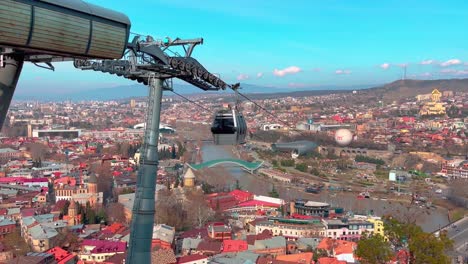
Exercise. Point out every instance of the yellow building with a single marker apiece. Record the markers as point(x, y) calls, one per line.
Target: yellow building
point(434, 107)
point(378, 225)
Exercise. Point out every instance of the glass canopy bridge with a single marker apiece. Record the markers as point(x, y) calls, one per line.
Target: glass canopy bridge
point(251, 167)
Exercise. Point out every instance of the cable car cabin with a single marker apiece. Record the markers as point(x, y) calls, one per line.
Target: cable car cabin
point(229, 127)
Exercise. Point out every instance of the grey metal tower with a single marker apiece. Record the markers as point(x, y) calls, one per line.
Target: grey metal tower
point(147, 62)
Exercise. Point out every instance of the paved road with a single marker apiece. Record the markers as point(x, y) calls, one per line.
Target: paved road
point(459, 235)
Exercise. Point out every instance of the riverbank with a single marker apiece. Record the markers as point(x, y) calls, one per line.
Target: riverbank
point(429, 220)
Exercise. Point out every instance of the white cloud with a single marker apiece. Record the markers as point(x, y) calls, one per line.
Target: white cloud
point(316, 69)
point(451, 62)
point(448, 71)
point(426, 74)
point(385, 66)
point(259, 75)
point(296, 85)
point(454, 72)
point(462, 72)
point(242, 77)
point(343, 72)
point(285, 71)
point(427, 62)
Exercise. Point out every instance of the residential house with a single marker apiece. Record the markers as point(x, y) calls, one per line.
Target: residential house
point(300, 258)
point(328, 260)
point(62, 256)
point(163, 236)
point(347, 229)
point(291, 228)
point(193, 259)
point(189, 245)
point(5, 254)
point(340, 249)
point(219, 231)
point(209, 247)
point(100, 250)
point(273, 246)
point(6, 226)
point(33, 258)
point(234, 245)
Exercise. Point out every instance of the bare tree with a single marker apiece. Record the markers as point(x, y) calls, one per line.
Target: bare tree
point(38, 151)
point(115, 213)
point(198, 211)
point(170, 210)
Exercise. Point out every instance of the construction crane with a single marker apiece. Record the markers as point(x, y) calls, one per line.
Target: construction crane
point(147, 61)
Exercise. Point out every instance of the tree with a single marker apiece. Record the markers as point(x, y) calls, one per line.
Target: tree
point(168, 201)
point(301, 167)
point(115, 213)
point(174, 153)
point(319, 253)
point(13, 241)
point(315, 171)
point(287, 163)
point(104, 179)
point(67, 239)
point(64, 210)
point(38, 150)
point(424, 248)
point(273, 193)
point(198, 211)
point(238, 187)
point(373, 249)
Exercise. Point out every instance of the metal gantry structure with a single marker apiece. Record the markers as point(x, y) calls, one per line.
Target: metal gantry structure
point(147, 62)
point(94, 38)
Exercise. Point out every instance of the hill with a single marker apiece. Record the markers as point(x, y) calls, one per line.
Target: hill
point(403, 89)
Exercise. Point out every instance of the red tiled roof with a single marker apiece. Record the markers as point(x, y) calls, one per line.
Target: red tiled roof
point(190, 258)
point(252, 203)
point(327, 260)
point(61, 255)
point(303, 258)
point(202, 232)
point(114, 228)
point(241, 196)
point(101, 246)
point(341, 246)
point(234, 245)
point(209, 246)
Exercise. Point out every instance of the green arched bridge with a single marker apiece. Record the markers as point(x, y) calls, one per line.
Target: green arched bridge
point(250, 166)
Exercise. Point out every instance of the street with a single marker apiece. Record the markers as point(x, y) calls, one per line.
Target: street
point(459, 234)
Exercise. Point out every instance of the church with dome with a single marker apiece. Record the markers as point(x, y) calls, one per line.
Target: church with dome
point(80, 192)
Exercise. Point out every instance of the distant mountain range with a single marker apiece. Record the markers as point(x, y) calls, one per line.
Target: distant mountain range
point(396, 90)
point(139, 90)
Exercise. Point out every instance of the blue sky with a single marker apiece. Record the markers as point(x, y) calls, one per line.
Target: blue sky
point(294, 44)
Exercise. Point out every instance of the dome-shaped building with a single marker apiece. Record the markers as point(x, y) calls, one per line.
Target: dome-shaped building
point(189, 178)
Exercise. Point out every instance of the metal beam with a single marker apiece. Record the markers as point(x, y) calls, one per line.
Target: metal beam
point(144, 205)
point(9, 74)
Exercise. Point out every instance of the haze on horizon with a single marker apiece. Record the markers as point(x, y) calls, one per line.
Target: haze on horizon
point(302, 45)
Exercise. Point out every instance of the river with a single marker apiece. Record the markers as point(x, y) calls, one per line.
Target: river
point(430, 220)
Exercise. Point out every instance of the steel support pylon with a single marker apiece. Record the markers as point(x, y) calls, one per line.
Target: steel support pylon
point(9, 74)
point(144, 206)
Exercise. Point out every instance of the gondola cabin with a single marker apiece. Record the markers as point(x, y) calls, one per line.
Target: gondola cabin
point(229, 127)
